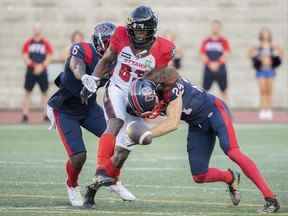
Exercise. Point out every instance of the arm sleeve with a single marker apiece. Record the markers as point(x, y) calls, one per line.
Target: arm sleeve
point(166, 56)
point(48, 46)
point(25, 48)
point(116, 42)
point(203, 47)
point(77, 51)
point(226, 45)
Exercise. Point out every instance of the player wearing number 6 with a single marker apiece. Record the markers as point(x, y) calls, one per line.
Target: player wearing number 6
point(208, 118)
point(136, 50)
point(70, 113)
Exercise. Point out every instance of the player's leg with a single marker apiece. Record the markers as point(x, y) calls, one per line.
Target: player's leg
point(70, 134)
point(223, 83)
point(42, 80)
point(207, 79)
point(29, 84)
point(223, 126)
point(263, 97)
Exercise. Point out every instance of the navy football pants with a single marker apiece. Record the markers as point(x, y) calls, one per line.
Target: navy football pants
point(201, 140)
point(69, 128)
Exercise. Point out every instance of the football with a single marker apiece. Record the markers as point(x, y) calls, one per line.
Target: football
point(139, 133)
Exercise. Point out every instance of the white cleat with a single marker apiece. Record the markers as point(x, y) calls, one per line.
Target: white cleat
point(74, 196)
point(121, 191)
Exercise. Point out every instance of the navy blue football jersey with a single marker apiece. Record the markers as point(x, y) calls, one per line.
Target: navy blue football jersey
point(197, 103)
point(67, 98)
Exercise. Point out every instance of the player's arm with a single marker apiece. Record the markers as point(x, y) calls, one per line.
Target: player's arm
point(78, 67)
point(226, 51)
point(25, 52)
point(104, 65)
point(172, 121)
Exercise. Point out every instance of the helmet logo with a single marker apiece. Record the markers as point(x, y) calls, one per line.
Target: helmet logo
point(148, 94)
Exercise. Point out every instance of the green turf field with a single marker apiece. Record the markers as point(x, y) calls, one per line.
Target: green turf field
point(32, 175)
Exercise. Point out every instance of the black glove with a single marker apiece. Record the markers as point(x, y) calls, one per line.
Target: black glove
point(85, 94)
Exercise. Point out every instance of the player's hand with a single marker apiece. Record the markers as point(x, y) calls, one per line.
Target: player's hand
point(38, 69)
point(85, 94)
point(90, 82)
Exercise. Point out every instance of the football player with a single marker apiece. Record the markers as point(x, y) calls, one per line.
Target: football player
point(208, 118)
point(70, 113)
point(136, 50)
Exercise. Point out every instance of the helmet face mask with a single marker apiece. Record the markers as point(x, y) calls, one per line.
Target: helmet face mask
point(142, 27)
point(101, 36)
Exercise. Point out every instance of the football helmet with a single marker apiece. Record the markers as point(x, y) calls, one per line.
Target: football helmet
point(143, 99)
point(142, 27)
point(101, 36)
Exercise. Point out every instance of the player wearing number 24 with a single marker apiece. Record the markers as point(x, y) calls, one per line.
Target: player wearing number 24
point(136, 51)
point(208, 118)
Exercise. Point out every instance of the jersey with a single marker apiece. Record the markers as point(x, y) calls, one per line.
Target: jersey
point(67, 98)
point(37, 50)
point(214, 49)
point(129, 65)
point(196, 102)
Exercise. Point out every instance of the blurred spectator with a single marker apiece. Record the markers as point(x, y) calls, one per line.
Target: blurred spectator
point(76, 37)
point(266, 57)
point(37, 53)
point(214, 51)
point(177, 60)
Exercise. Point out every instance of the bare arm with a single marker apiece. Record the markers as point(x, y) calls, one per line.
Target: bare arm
point(103, 65)
point(172, 121)
point(78, 67)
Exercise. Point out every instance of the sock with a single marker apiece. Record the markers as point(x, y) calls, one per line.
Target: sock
point(72, 174)
point(105, 148)
point(250, 169)
point(111, 170)
point(214, 175)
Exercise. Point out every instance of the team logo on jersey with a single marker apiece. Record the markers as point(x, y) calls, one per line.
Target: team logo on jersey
point(149, 64)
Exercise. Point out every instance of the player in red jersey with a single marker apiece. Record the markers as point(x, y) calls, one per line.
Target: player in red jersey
point(135, 51)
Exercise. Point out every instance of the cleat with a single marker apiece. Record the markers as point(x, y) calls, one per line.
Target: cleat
point(233, 188)
point(91, 190)
point(271, 206)
point(74, 196)
point(121, 191)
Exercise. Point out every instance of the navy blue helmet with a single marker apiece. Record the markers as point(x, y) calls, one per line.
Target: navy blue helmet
point(143, 100)
point(101, 36)
point(142, 27)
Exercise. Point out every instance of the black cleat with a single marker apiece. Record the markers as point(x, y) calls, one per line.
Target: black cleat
point(100, 180)
point(24, 119)
point(233, 188)
point(271, 206)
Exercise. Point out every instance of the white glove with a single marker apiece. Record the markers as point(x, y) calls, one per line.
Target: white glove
point(51, 117)
point(90, 82)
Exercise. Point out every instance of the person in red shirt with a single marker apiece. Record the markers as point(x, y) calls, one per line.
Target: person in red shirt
point(214, 51)
point(37, 52)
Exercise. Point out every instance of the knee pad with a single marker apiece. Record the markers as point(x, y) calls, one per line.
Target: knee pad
point(200, 178)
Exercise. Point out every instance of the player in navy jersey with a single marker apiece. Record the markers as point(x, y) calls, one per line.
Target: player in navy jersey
point(214, 51)
point(70, 113)
point(208, 118)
